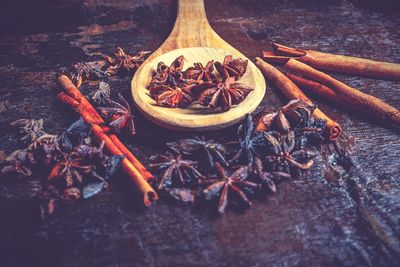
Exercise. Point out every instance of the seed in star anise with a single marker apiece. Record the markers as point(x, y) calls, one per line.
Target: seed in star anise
point(119, 115)
point(123, 62)
point(229, 188)
point(232, 67)
point(223, 94)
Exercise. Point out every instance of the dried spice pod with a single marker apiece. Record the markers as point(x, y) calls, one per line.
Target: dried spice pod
point(213, 151)
point(92, 70)
point(172, 97)
point(101, 95)
point(224, 94)
point(122, 62)
point(30, 129)
point(119, 115)
point(231, 67)
point(229, 187)
point(175, 169)
point(199, 73)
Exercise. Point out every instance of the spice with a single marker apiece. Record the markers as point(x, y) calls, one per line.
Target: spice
point(90, 115)
point(118, 115)
point(87, 70)
point(172, 87)
point(122, 62)
point(213, 151)
point(175, 169)
point(293, 92)
point(229, 186)
point(358, 99)
point(332, 62)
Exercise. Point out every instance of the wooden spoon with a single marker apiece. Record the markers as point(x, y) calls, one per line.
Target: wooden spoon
point(193, 37)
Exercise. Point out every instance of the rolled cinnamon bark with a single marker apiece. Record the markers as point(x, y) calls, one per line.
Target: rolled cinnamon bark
point(336, 63)
point(358, 99)
point(291, 91)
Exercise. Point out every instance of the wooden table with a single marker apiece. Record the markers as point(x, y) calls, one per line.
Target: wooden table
point(322, 219)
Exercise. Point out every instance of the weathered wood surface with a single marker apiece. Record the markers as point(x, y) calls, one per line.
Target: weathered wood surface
point(323, 219)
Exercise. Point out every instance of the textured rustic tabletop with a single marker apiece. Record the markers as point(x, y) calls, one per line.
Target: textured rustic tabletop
point(326, 218)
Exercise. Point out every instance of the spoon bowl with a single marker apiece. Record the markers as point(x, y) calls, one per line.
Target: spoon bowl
point(194, 38)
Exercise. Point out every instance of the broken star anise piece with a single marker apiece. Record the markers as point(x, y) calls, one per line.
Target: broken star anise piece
point(199, 73)
point(295, 113)
point(87, 71)
point(251, 143)
point(213, 151)
point(119, 115)
point(231, 67)
point(175, 169)
point(285, 154)
point(224, 94)
point(70, 168)
point(227, 187)
point(123, 62)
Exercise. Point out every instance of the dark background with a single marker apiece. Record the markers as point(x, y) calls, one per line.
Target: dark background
point(330, 217)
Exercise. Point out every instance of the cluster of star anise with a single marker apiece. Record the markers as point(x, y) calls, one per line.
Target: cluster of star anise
point(109, 65)
point(72, 165)
point(283, 146)
point(173, 87)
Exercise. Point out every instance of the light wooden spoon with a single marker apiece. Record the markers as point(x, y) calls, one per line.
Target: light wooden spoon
point(193, 37)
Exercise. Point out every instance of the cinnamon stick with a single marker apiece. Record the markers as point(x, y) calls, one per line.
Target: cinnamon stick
point(94, 117)
point(358, 99)
point(336, 63)
point(291, 91)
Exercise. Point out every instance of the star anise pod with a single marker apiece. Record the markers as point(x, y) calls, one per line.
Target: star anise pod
point(170, 76)
point(213, 151)
point(227, 187)
point(119, 115)
point(70, 167)
point(175, 169)
point(251, 143)
point(231, 67)
point(223, 94)
point(17, 163)
point(87, 71)
point(172, 97)
point(30, 129)
point(285, 154)
point(268, 179)
point(123, 62)
point(294, 114)
point(199, 73)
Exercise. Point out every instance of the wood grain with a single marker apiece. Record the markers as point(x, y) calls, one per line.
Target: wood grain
point(193, 37)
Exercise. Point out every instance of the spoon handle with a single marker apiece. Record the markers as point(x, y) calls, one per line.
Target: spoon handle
point(191, 27)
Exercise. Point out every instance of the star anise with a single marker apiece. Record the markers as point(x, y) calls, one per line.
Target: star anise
point(123, 62)
point(227, 185)
point(70, 167)
point(175, 169)
point(285, 153)
point(87, 70)
point(251, 143)
point(17, 163)
point(170, 76)
point(119, 115)
point(294, 114)
point(268, 179)
point(231, 67)
point(172, 97)
point(213, 151)
point(199, 73)
point(223, 94)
